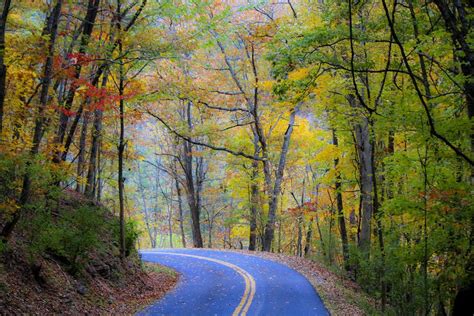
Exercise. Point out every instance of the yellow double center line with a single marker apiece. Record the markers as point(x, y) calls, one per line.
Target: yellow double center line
point(250, 286)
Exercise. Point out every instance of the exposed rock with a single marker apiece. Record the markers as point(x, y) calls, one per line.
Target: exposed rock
point(81, 289)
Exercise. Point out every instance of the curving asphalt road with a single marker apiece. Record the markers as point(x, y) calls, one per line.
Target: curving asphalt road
point(228, 283)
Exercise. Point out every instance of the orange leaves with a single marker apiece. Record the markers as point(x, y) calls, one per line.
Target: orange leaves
point(100, 98)
point(66, 67)
point(308, 208)
point(449, 200)
point(66, 112)
point(445, 195)
point(79, 59)
point(311, 206)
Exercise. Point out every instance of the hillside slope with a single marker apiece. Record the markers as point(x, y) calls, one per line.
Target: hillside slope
point(65, 260)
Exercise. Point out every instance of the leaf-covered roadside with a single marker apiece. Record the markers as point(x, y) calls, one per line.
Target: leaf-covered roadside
point(67, 296)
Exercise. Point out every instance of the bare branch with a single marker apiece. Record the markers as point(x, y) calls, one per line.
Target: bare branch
point(237, 125)
point(292, 9)
point(190, 140)
point(222, 108)
point(226, 92)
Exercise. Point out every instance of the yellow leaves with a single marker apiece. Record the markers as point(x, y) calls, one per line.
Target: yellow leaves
point(283, 105)
point(311, 20)
point(328, 153)
point(60, 168)
point(240, 231)
point(9, 206)
point(267, 85)
point(20, 143)
point(322, 84)
point(353, 229)
point(298, 74)
point(81, 88)
point(81, 180)
point(136, 87)
point(16, 19)
point(263, 32)
point(305, 137)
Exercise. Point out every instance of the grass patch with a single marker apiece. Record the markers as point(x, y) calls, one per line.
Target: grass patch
point(158, 268)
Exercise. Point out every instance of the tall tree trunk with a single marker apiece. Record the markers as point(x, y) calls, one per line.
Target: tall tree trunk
point(82, 153)
point(191, 188)
point(170, 222)
point(279, 235)
point(331, 223)
point(272, 206)
point(364, 151)
point(99, 183)
point(196, 227)
point(299, 239)
point(309, 236)
point(51, 29)
point(378, 218)
point(121, 144)
point(3, 67)
point(390, 151)
point(254, 199)
point(94, 149)
point(209, 232)
point(180, 210)
point(318, 226)
point(199, 176)
point(141, 190)
point(340, 208)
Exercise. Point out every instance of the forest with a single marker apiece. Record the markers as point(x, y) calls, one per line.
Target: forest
point(337, 130)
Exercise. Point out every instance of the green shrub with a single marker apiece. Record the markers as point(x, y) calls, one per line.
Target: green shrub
point(11, 172)
point(132, 233)
point(69, 237)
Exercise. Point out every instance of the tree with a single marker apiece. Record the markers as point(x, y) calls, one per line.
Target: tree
point(51, 29)
point(3, 68)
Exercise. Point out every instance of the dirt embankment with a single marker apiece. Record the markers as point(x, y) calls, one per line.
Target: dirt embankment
point(43, 274)
point(55, 291)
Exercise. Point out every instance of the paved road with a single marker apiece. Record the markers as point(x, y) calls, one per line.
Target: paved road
point(227, 283)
